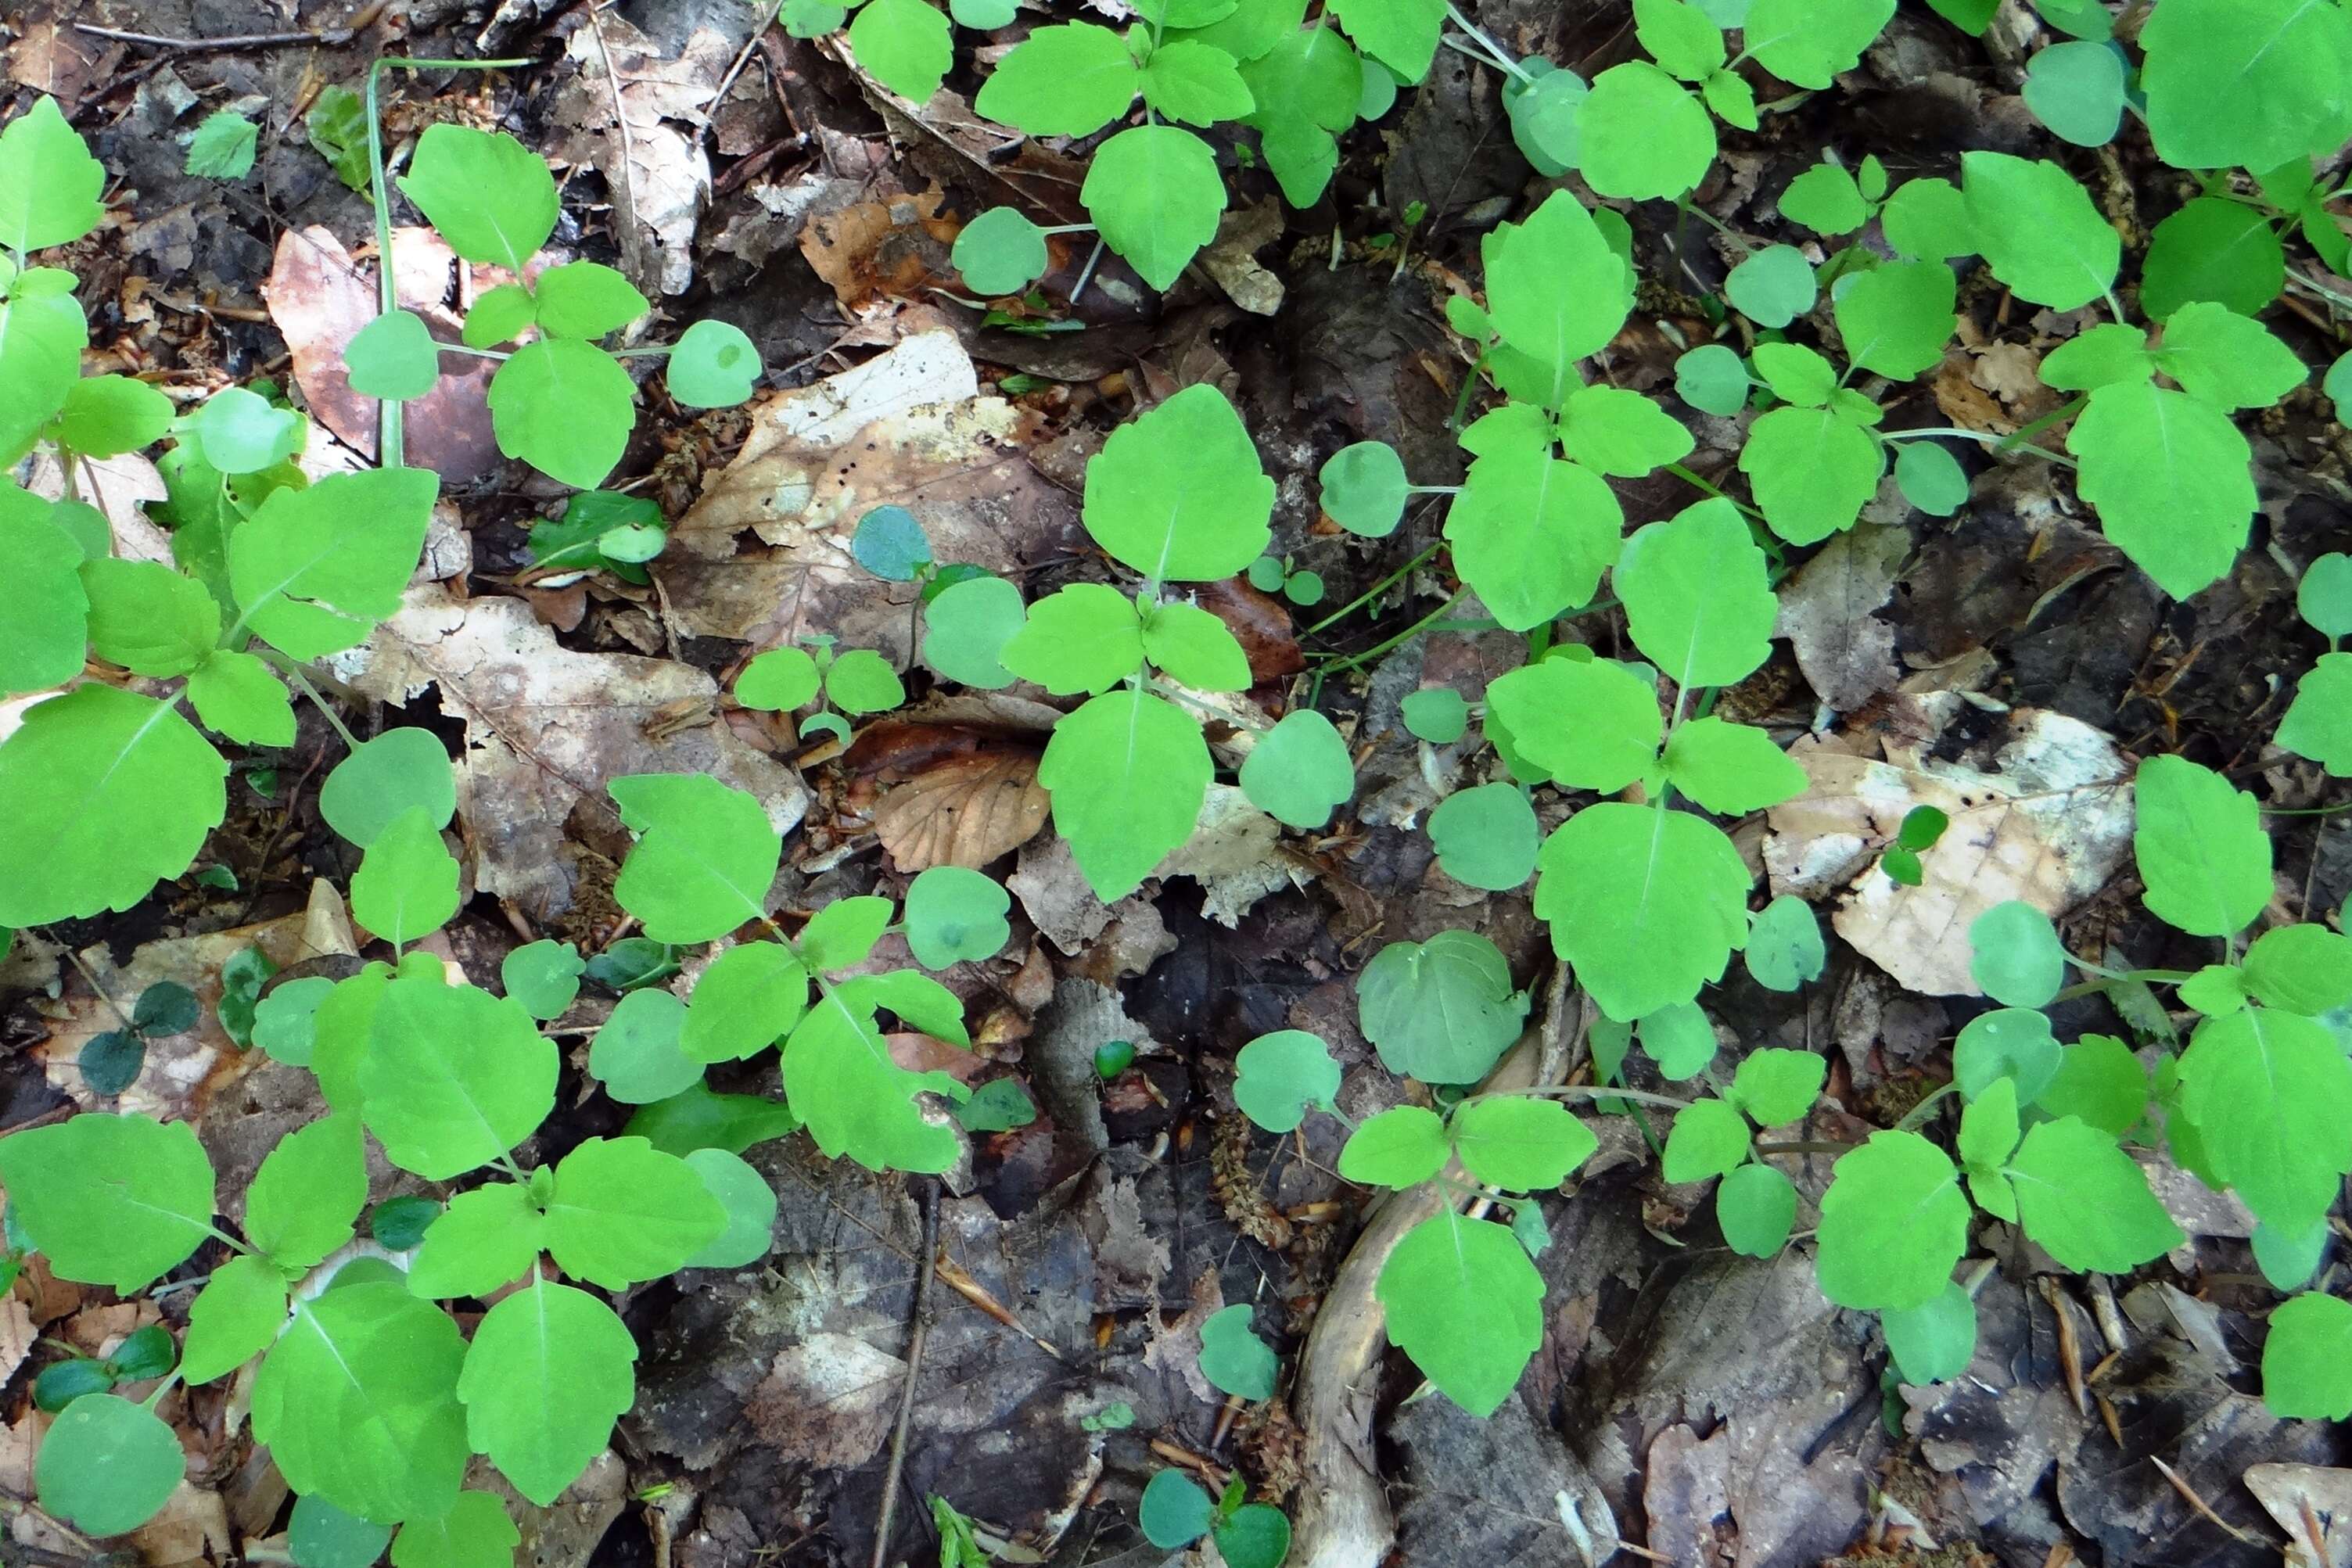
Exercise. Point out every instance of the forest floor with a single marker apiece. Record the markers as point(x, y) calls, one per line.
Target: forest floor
point(1718, 1410)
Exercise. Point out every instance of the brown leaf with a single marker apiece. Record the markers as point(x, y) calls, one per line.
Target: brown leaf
point(965, 810)
point(1828, 615)
point(1259, 623)
point(898, 247)
point(828, 1400)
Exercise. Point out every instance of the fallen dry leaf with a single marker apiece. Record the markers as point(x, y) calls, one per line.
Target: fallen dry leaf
point(547, 727)
point(1829, 616)
point(963, 810)
point(656, 166)
point(828, 1400)
point(906, 427)
point(2049, 826)
point(896, 247)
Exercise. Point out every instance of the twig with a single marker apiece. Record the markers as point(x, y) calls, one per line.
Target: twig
point(922, 1331)
point(330, 37)
point(2206, 1512)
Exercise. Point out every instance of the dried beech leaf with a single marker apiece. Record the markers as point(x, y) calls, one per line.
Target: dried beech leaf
point(966, 810)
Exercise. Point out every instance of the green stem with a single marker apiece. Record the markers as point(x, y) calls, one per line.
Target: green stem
point(1382, 586)
point(1357, 660)
point(2058, 415)
point(1999, 443)
point(293, 672)
point(1585, 1092)
point(1698, 481)
point(1919, 1113)
point(1494, 50)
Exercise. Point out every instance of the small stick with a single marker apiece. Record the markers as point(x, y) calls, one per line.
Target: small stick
point(2215, 1520)
point(922, 1331)
point(331, 38)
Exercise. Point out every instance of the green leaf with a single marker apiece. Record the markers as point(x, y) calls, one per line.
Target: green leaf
point(1254, 1535)
point(1439, 715)
point(746, 1001)
point(543, 977)
point(1934, 1341)
point(1397, 1148)
point(1127, 773)
point(1730, 768)
point(750, 1204)
point(778, 681)
point(1797, 373)
point(1083, 638)
point(2085, 1202)
point(49, 185)
point(1190, 646)
point(2008, 1042)
point(856, 1099)
point(2017, 959)
point(1400, 34)
point(1443, 1010)
point(1825, 199)
point(105, 416)
point(1896, 319)
point(2252, 82)
point(1001, 251)
point(843, 932)
point(1774, 285)
point(1174, 1511)
point(1066, 80)
point(1299, 771)
point(1646, 902)
point(1642, 135)
point(2104, 354)
point(1712, 378)
point(2037, 230)
point(1754, 1207)
point(491, 197)
point(2077, 90)
point(2306, 1359)
point(236, 694)
point(954, 916)
point(148, 618)
point(1485, 836)
point(2324, 597)
point(1279, 1075)
point(1364, 489)
point(1234, 1360)
point(475, 1533)
point(566, 407)
point(2270, 1095)
point(586, 299)
point(2170, 476)
point(1811, 471)
point(453, 1077)
point(1520, 1143)
point(106, 1465)
point(381, 779)
point(42, 335)
point(149, 1207)
point(357, 1400)
point(2216, 250)
point(44, 625)
point(1464, 1301)
point(486, 1239)
point(699, 1119)
point(499, 316)
point(2201, 851)
point(223, 146)
point(1679, 1039)
point(233, 1319)
point(237, 431)
point(1708, 1139)
point(1614, 431)
point(1532, 535)
point(1892, 1224)
point(862, 681)
point(998, 1105)
point(284, 1021)
point(1196, 84)
point(1808, 42)
point(1310, 79)
point(2317, 723)
point(307, 1192)
point(1555, 290)
point(1776, 1086)
point(1547, 116)
point(966, 628)
point(636, 1053)
point(1681, 37)
point(891, 544)
point(549, 1372)
point(315, 568)
point(102, 794)
point(1931, 479)
point(713, 364)
point(623, 1211)
point(1784, 945)
point(2227, 358)
point(407, 887)
point(704, 857)
point(905, 44)
point(1732, 98)
point(2302, 969)
point(394, 357)
point(2100, 1082)
point(1154, 192)
point(321, 1535)
point(1177, 492)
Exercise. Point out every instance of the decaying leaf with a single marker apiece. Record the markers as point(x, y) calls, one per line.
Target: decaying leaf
point(1847, 652)
point(2049, 824)
point(547, 727)
point(963, 810)
point(654, 165)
